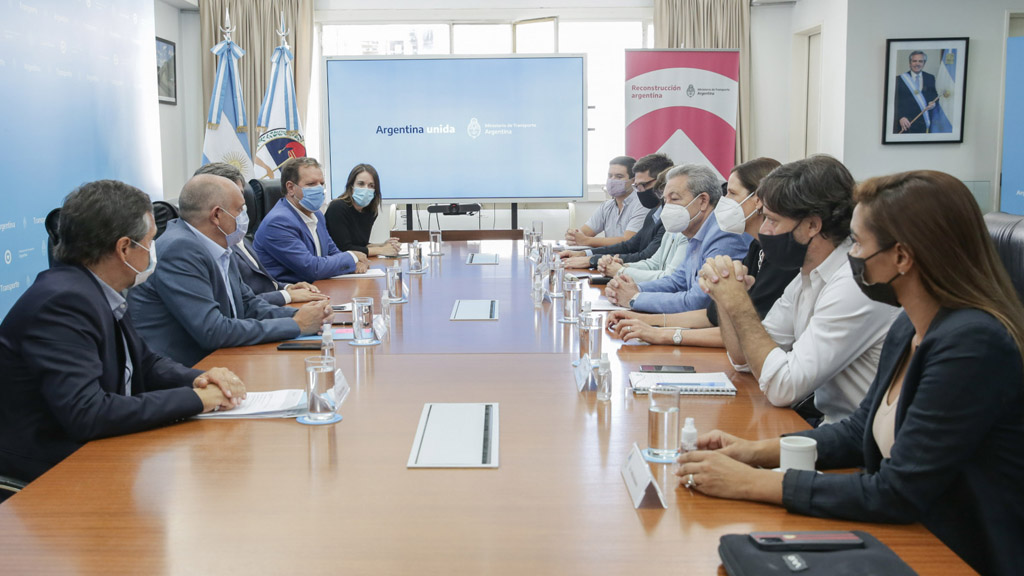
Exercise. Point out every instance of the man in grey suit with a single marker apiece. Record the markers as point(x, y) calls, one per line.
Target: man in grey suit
point(196, 302)
point(252, 270)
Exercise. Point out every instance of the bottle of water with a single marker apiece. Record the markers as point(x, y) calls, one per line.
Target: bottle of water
point(604, 379)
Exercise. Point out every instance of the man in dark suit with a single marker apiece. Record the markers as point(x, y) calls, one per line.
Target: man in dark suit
point(915, 94)
point(196, 301)
point(74, 367)
point(252, 270)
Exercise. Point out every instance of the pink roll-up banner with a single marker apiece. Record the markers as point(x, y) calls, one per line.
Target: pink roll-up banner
point(683, 103)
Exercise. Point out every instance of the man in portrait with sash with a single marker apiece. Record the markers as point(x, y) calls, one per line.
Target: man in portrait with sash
point(915, 97)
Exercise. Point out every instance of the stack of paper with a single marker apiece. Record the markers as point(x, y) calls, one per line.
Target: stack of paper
point(371, 273)
point(700, 383)
point(276, 404)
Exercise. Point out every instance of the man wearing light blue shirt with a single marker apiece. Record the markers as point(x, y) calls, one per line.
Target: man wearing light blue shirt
point(691, 194)
point(196, 302)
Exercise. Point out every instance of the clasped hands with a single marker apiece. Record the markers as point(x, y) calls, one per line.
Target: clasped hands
point(714, 276)
point(725, 466)
point(219, 389)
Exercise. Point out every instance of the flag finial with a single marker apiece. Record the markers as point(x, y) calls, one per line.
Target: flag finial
point(283, 32)
point(227, 28)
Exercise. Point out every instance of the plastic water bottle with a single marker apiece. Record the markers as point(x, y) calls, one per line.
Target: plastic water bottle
point(604, 379)
point(327, 340)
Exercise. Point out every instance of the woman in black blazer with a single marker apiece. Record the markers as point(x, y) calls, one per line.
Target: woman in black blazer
point(350, 217)
point(940, 435)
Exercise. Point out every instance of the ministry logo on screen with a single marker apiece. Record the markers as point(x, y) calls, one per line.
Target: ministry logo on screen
point(474, 128)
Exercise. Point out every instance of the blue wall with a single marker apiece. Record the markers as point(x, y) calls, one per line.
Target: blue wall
point(77, 103)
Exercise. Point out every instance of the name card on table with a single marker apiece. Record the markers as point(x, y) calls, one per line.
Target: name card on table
point(643, 489)
point(582, 372)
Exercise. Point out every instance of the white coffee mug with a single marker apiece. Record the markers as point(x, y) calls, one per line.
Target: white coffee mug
point(797, 452)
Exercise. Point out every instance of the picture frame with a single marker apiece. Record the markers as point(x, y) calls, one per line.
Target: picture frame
point(166, 76)
point(925, 88)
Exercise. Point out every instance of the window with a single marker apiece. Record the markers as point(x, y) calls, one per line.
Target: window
point(605, 44)
point(482, 38)
point(386, 39)
point(535, 36)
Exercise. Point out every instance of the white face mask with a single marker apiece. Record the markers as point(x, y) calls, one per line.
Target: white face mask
point(729, 214)
point(676, 218)
point(141, 277)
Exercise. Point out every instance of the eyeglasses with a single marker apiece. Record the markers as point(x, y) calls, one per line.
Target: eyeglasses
point(642, 186)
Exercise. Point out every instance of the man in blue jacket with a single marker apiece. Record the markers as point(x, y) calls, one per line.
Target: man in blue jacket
point(292, 241)
point(74, 368)
point(691, 194)
point(196, 301)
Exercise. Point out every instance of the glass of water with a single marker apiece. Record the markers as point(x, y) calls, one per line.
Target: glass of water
point(591, 326)
point(435, 243)
point(570, 299)
point(362, 322)
point(416, 258)
point(663, 422)
point(538, 228)
point(320, 371)
point(395, 288)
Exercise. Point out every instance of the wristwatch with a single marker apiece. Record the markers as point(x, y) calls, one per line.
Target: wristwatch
point(632, 300)
point(677, 338)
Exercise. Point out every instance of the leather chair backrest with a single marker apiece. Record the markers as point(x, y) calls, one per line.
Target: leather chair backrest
point(266, 193)
point(250, 209)
point(1007, 231)
point(51, 223)
point(162, 213)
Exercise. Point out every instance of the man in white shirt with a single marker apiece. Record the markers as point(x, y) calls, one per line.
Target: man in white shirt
point(620, 217)
point(823, 336)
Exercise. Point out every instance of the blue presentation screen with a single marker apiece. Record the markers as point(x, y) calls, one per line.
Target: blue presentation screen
point(78, 99)
point(459, 128)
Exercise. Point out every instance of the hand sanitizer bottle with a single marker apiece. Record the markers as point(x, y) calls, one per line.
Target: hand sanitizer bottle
point(327, 341)
point(688, 438)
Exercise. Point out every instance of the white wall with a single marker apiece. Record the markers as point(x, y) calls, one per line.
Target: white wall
point(172, 117)
point(181, 125)
point(976, 159)
point(769, 79)
point(831, 17)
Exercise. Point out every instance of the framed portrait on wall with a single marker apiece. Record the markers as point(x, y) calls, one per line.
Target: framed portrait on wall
point(925, 81)
point(166, 81)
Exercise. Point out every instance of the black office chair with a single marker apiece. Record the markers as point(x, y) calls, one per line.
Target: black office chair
point(9, 487)
point(1007, 231)
point(162, 213)
point(266, 193)
point(51, 223)
point(250, 209)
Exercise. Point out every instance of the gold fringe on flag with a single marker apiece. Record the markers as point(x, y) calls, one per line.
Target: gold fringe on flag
point(212, 125)
point(242, 129)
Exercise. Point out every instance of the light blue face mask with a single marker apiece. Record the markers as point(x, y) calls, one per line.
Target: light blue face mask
point(241, 227)
point(312, 198)
point(362, 196)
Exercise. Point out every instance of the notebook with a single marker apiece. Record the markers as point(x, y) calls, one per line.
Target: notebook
point(715, 383)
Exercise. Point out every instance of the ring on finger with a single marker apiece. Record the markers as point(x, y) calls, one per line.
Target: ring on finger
point(689, 481)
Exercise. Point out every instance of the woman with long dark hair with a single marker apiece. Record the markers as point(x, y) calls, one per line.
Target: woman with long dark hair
point(350, 217)
point(940, 434)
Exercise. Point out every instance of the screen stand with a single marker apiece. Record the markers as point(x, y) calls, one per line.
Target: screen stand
point(515, 216)
point(408, 216)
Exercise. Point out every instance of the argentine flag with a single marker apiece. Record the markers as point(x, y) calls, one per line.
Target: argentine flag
point(945, 85)
point(278, 122)
point(226, 139)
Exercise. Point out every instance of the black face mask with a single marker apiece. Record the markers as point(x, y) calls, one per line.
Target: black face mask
point(879, 291)
point(783, 251)
point(649, 199)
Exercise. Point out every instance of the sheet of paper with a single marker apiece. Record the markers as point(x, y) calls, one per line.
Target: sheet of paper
point(475, 310)
point(602, 304)
point(480, 258)
point(276, 404)
point(456, 436)
point(371, 273)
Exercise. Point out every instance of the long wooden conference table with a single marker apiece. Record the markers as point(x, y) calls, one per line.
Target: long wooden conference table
point(279, 497)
